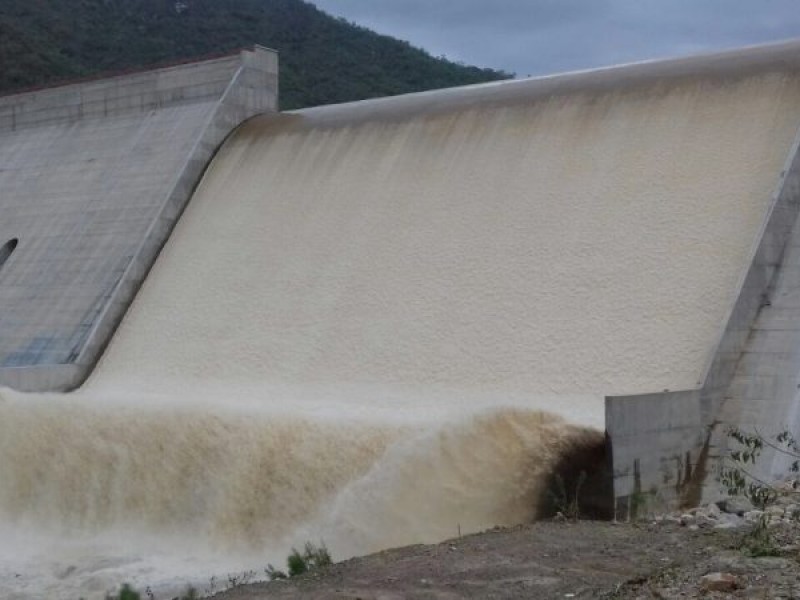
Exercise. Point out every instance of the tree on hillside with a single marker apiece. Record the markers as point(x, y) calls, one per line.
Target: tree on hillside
point(323, 59)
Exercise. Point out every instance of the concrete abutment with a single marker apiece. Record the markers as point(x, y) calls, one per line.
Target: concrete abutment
point(94, 176)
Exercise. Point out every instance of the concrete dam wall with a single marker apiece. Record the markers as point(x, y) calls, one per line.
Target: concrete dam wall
point(93, 177)
point(386, 322)
point(473, 247)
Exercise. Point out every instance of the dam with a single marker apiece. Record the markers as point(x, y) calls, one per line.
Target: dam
point(383, 322)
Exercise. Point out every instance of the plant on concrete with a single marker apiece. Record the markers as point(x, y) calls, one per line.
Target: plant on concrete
point(313, 557)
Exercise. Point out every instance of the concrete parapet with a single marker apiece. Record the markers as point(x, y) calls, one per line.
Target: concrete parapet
point(95, 176)
point(122, 95)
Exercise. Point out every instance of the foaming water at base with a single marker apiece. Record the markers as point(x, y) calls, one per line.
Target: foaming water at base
point(484, 470)
point(162, 493)
point(43, 566)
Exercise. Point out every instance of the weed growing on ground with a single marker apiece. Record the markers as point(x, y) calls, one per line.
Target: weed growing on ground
point(565, 503)
point(760, 541)
point(239, 579)
point(313, 557)
point(127, 592)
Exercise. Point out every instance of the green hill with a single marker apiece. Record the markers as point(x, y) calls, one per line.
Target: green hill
point(323, 59)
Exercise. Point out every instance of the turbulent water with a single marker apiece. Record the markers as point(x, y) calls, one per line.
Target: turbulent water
point(158, 491)
point(362, 328)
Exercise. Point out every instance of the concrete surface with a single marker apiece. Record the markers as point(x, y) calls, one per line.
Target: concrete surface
point(94, 175)
point(763, 396)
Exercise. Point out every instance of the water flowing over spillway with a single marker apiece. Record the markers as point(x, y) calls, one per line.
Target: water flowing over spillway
point(378, 326)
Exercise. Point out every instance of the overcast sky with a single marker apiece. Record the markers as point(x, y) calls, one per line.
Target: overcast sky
point(536, 37)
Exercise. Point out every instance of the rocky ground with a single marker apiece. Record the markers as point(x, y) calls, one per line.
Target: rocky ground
point(730, 551)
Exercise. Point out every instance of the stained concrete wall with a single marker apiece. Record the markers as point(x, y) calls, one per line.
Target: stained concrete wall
point(666, 446)
point(764, 395)
point(93, 178)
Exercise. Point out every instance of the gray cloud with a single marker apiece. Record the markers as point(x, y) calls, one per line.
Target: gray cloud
point(535, 37)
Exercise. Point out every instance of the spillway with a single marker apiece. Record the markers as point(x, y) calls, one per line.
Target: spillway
point(578, 244)
point(383, 323)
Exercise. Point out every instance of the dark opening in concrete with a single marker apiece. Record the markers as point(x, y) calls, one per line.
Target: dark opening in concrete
point(580, 482)
point(6, 250)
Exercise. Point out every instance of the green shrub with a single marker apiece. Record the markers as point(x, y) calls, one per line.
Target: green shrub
point(735, 473)
point(313, 557)
point(126, 592)
point(296, 563)
point(738, 480)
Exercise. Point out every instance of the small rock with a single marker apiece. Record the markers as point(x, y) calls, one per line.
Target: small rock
point(725, 525)
point(733, 563)
point(775, 511)
point(772, 563)
point(705, 521)
point(719, 582)
point(752, 516)
point(737, 505)
point(687, 519)
point(713, 511)
point(732, 519)
point(758, 591)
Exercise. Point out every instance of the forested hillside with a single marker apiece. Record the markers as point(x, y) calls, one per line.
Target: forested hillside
point(323, 59)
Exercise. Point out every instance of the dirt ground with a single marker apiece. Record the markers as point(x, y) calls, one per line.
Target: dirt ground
point(585, 559)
